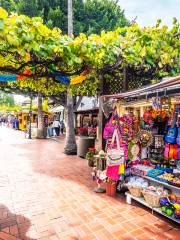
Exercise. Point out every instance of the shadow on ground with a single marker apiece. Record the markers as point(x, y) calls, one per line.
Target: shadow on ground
point(13, 226)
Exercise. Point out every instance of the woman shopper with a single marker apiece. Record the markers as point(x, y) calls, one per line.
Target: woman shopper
point(56, 126)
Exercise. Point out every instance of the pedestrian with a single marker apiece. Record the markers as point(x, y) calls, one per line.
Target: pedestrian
point(62, 126)
point(16, 124)
point(56, 126)
point(50, 129)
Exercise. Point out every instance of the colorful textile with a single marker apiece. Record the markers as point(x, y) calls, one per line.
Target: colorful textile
point(61, 78)
point(121, 169)
point(8, 78)
point(112, 172)
point(78, 79)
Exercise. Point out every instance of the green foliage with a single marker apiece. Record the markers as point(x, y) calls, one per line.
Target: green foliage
point(6, 99)
point(90, 16)
point(7, 103)
point(27, 43)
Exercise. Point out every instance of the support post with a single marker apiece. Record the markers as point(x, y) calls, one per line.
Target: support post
point(101, 125)
point(30, 116)
point(125, 81)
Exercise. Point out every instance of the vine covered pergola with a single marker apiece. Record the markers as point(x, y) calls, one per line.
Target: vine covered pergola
point(46, 61)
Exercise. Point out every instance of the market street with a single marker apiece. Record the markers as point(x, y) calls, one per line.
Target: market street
point(45, 194)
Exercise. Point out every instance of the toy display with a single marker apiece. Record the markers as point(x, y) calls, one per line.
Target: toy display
point(165, 177)
point(154, 172)
point(171, 206)
point(141, 170)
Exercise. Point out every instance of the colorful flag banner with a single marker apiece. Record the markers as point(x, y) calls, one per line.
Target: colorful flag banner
point(7, 78)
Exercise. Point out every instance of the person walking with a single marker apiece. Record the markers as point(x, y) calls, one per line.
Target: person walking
point(62, 126)
point(56, 126)
point(50, 129)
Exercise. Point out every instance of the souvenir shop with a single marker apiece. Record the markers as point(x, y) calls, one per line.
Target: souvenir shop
point(142, 151)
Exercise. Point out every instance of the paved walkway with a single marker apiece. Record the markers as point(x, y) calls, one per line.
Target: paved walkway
point(47, 195)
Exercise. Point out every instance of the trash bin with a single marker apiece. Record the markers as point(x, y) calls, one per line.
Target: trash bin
point(84, 143)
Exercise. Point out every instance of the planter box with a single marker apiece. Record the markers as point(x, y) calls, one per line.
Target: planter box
point(110, 189)
point(90, 163)
point(84, 143)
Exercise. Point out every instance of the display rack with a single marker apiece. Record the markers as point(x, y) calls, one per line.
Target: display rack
point(172, 187)
point(142, 201)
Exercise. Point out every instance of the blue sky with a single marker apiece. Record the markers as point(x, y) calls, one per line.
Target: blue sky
point(148, 11)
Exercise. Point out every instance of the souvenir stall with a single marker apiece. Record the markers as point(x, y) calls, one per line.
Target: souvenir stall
point(143, 148)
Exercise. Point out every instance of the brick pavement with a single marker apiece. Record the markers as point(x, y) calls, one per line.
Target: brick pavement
point(47, 195)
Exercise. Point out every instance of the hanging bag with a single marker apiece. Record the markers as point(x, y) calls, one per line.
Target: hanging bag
point(115, 156)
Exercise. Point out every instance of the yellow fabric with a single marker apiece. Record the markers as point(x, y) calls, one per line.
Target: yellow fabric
point(78, 79)
point(121, 169)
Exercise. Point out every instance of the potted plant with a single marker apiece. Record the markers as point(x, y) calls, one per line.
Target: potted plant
point(90, 156)
point(84, 142)
point(83, 131)
point(92, 132)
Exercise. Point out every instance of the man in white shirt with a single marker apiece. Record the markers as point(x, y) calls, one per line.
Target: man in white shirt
point(56, 126)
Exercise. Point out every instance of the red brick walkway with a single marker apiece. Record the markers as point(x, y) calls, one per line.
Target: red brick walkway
point(47, 195)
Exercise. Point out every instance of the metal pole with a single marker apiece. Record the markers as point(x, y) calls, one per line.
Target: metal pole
point(30, 116)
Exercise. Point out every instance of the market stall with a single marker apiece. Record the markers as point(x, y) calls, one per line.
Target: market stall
point(143, 147)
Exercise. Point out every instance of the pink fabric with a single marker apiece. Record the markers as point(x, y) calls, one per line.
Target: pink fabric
point(109, 128)
point(112, 172)
point(124, 146)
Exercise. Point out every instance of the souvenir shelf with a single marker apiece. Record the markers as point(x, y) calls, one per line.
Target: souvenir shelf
point(141, 200)
point(160, 182)
point(147, 120)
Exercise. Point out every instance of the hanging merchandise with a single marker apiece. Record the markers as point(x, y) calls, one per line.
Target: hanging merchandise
point(171, 135)
point(146, 122)
point(156, 103)
point(178, 126)
point(115, 156)
point(158, 141)
point(145, 138)
point(109, 128)
point(113, 172)
point(8, 78)
point(133, 152)
point(125, 126)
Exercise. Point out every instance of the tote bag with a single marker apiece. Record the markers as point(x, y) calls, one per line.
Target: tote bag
point(115, 156)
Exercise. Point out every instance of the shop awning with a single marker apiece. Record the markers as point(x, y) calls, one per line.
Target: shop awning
point(87, 111)
point(165, 84)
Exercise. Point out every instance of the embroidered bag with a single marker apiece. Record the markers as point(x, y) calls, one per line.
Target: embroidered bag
point(115, 156)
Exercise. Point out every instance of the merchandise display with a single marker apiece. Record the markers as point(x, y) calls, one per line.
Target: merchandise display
point(171, 206)
point(146, 141)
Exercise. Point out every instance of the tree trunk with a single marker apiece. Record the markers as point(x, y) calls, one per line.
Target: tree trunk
point(70, 18)
point(40, 130)
point(70, 145)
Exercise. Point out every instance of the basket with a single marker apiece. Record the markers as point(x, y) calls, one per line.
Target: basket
point(135, 191)
point(151, 198)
